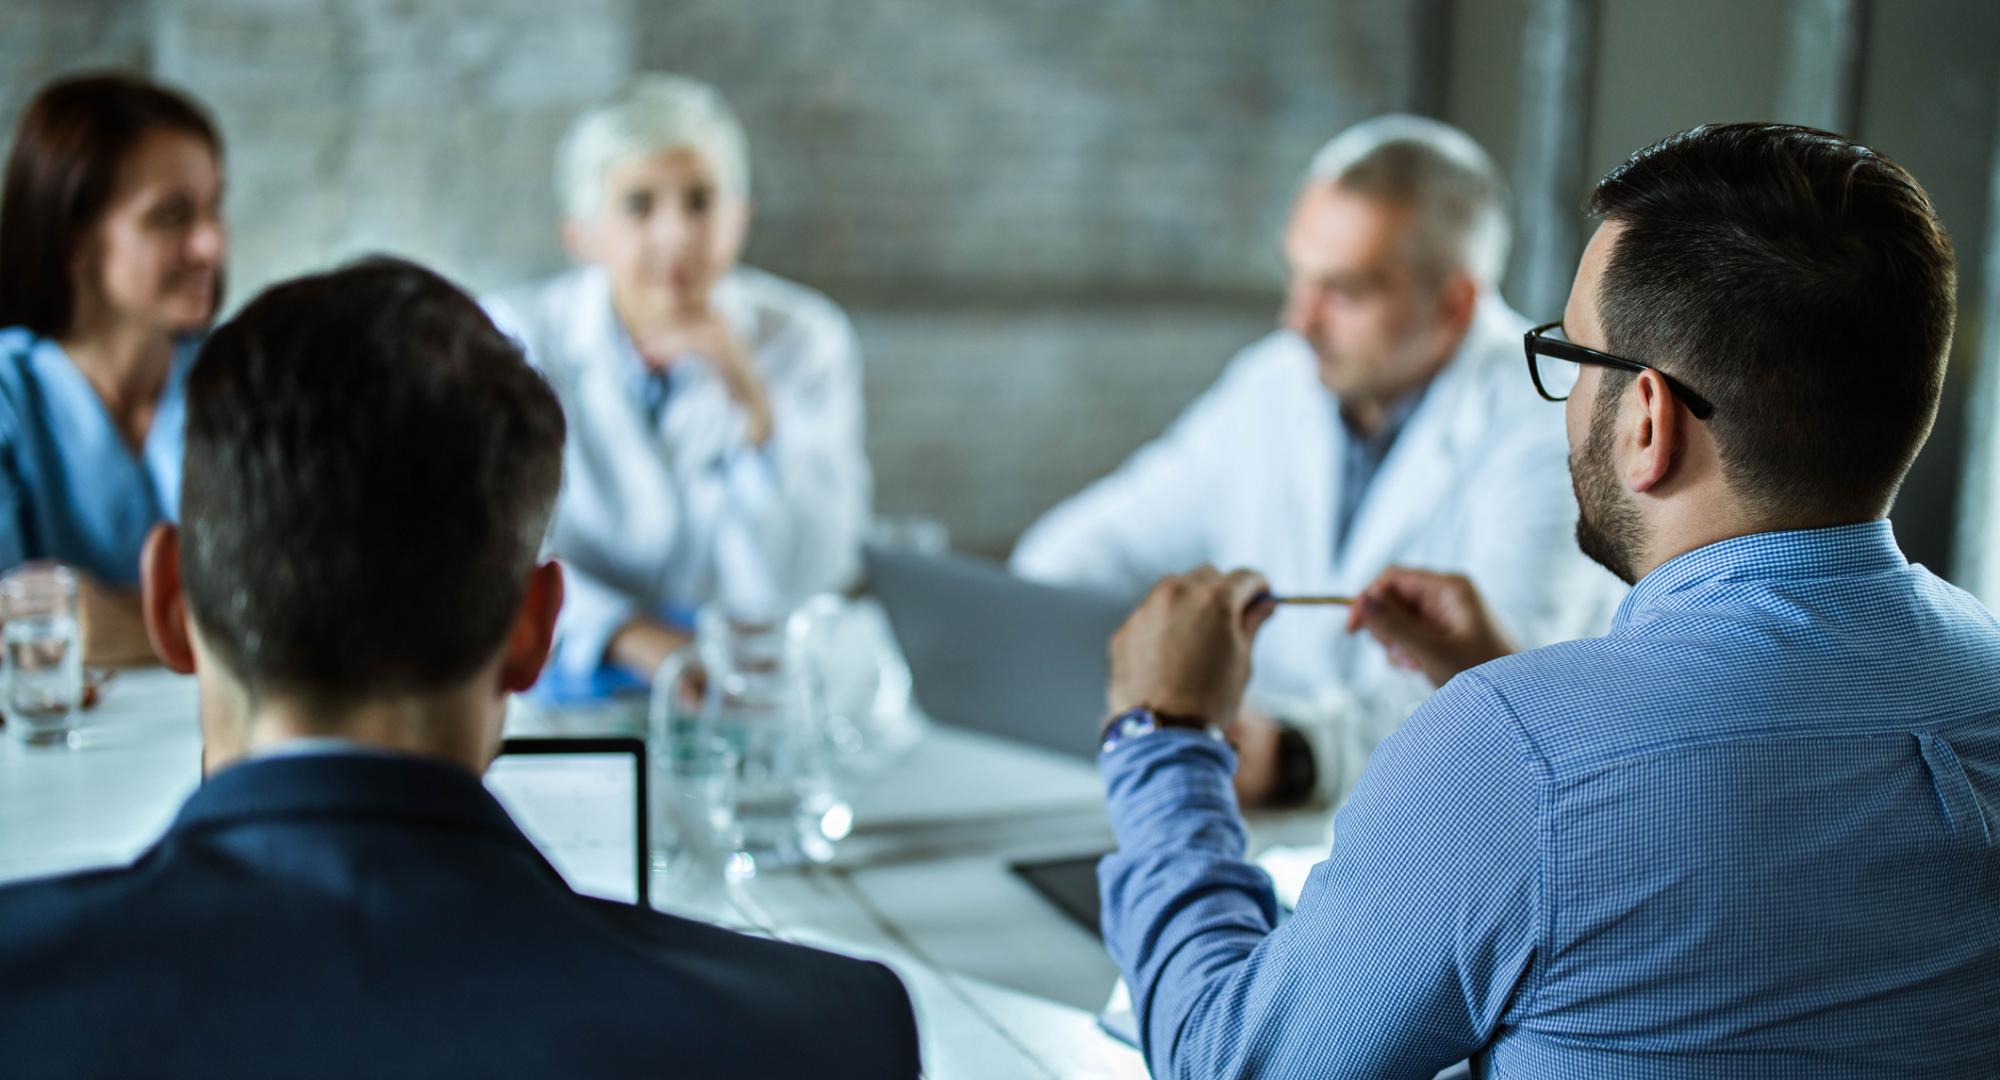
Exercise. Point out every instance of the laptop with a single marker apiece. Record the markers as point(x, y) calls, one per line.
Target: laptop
point(582, 803)
point(991, 652)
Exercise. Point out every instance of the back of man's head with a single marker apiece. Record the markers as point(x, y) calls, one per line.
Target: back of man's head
point(1804, 285)
point(370, 469)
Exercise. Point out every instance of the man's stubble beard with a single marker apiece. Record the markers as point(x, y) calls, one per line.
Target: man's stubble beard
point(1607, 524)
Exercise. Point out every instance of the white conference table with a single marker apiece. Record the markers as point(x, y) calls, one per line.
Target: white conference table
point(1004, 985)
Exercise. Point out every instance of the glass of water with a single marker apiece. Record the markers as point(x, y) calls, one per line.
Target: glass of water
point(43, 654)
point(691, 827)
point(751, 683)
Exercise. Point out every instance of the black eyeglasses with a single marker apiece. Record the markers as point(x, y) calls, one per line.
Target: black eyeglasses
point(1555, 383)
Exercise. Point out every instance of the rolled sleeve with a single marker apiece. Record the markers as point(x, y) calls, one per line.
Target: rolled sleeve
point(1410, 940)
point(1180, 903)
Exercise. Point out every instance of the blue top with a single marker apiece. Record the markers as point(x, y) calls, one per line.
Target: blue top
point(1755, 830)
point(70, 488)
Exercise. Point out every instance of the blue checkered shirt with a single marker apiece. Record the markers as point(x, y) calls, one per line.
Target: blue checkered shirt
point(1753, 831)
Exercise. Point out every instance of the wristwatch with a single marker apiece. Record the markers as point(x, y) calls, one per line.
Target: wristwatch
point(1133, 723)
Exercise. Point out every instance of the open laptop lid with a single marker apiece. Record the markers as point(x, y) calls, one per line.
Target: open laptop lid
point(994, 653)
point(583, 804)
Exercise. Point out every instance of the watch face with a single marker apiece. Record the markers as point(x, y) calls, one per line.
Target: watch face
point(1130, 723)
point(1142, 721)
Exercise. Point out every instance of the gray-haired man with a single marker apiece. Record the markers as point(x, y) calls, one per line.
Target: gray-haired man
point(1385, 422)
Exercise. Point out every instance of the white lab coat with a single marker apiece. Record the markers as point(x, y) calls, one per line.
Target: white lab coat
point(1477, 483)
point(673, 514)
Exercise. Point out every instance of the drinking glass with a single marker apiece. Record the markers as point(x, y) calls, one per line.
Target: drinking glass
point(864, 682)
point(752, 684)
point(43, 654)
point(692, 825)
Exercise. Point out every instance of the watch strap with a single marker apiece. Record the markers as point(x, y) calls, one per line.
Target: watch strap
point(1135, 722)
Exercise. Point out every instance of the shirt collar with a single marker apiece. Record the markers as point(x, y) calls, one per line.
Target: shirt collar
point(319, 744)
point(1794, 555)
point(393, 786)
point(1394, 419)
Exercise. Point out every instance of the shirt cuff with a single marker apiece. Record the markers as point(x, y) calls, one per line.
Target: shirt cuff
point(1173, 788)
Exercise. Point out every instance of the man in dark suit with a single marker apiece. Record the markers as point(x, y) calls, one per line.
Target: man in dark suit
point(355, 582)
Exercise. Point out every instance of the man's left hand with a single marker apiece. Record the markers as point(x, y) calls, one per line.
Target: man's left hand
point(1185, 653)
point(1434, 623)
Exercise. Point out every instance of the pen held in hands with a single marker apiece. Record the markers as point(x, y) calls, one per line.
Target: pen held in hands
point(1324, 601)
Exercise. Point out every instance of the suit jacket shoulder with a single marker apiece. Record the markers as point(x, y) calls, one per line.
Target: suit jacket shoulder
point(342, 916)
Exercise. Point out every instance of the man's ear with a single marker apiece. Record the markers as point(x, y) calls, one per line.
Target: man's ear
point(1460, 297)
point(1457, 301)
point(1656, 440)
point(162, 602)
point(534, 632)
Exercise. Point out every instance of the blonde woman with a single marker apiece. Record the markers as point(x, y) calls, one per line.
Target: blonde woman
point(715, 410)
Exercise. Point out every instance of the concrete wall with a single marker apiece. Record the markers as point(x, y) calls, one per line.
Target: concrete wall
point(41, 40)
point(1052, 221)
point(424, 129)
point(1930, 98)
point(1927, 82)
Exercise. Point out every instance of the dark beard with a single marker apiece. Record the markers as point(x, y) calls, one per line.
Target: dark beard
point(1607, 525)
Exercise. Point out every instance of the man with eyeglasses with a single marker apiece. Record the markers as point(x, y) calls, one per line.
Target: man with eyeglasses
point(1755, 829)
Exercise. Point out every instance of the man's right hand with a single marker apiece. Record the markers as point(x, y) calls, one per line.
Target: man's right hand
point(1434, 623)
point(1186, 651)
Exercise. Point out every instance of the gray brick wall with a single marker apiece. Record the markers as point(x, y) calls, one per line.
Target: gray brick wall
point(425, 129)
point(1035, 147)
point(1053, 221)
point(984, 417)
point(40, 40)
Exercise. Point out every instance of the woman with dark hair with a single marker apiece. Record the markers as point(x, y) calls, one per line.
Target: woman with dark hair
point(111, 258)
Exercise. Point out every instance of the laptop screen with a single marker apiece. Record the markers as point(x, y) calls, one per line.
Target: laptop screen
point(583, 804)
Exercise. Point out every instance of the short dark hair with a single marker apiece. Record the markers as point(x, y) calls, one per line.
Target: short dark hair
point(1804, 285)
point(370, 469)
point(61, 172)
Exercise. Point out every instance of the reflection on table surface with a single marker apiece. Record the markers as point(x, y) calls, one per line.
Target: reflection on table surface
point(1004, 984)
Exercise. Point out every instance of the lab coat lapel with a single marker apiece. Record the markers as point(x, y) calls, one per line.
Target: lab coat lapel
point(1290, 482)
point(1413, 482)
point(603, 353)
point(618, 466)
point(1316, 446)
point(1281, 519)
